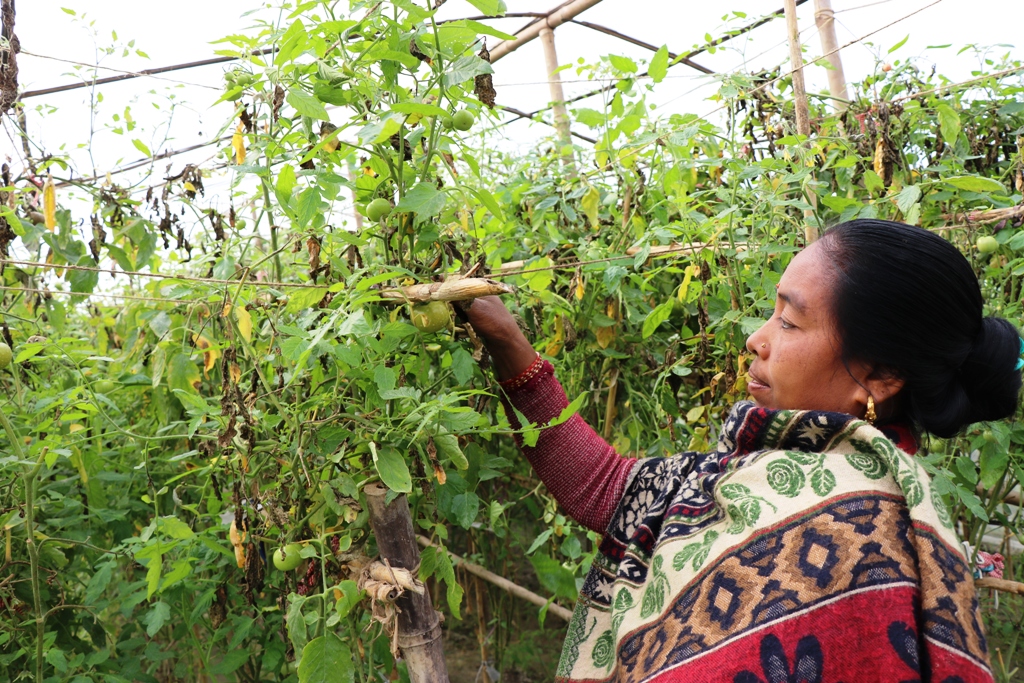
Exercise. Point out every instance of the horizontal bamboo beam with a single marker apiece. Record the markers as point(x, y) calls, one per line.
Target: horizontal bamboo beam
point(503, 583)
point(461, 289)
point(1000, 585)
point(532, 31)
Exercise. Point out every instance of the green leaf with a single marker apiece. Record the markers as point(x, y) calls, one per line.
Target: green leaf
point(492, 8)
point(175, 528)
point(465, 507)
point(448, 447)
point(624, 64)
point(554, 577)
point(424, 200)
point(907, 197)
point(898, 45)
point(392, 468)
point(232, 661)
point(326, 659)
point(488, 30)
point(949, 122)
point(656, 317)
point(305, 298)
point(418, 108)
point(182, 373)
point(446, 572)
point(488, 200)
point(466, 68)
point(973, 183)
point(994, 461)
point(462, 365)
point(158, 615)
point(659, 64)
point(141, 146)
point(308, 205)
point(306, 104)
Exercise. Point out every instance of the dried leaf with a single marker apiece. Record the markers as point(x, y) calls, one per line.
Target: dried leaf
point(238, 144)
point(49, 204)
point(244, 320)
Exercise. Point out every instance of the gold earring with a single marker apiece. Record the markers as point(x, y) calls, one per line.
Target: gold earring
point(869, 415)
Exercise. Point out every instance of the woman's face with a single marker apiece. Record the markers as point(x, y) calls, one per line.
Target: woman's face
point(797, 364)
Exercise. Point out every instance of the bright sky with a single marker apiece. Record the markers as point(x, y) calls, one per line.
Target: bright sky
point(169, 116)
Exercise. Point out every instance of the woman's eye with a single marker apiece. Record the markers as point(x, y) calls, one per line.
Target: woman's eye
point(786, 325)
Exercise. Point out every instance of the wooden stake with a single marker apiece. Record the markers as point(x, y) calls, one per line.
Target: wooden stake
point(419, 627)
point(547, 39)
point(823, 17)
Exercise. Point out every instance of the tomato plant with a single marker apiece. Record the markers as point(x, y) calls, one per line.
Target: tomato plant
point(160, 450)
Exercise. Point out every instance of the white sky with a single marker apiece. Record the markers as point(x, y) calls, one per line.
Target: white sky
point(182, 31)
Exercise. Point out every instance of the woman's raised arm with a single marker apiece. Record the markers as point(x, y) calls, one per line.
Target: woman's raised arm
point(584, 474)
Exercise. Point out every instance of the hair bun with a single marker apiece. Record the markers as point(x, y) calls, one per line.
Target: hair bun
point(989, 373)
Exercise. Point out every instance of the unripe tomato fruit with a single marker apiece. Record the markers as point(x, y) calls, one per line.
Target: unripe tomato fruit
point(430, 317)
point(987, 244)
point(287, 558)
point(103, 386)
point(5, 355)
point(463, 120)
point(377, 209)
point(447, 122)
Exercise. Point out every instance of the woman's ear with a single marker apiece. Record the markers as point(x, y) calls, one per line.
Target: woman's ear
point(882, 386)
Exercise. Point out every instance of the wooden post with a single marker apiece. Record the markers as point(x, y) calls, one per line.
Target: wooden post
point(547, 39)
point(803, 117)
point(419, 628)
point(823, 17)
point(796, 60)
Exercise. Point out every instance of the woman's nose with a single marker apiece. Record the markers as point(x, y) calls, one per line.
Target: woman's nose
point(758, 342)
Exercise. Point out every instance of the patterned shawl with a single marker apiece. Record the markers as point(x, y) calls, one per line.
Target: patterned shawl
point(807, 548)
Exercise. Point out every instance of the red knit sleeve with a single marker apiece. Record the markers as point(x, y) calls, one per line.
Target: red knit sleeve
point(584, 474)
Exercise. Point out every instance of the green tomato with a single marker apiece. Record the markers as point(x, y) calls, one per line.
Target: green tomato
point(447, 122)
point(430, 317)
point(463, 120)
point(5, 355)
point(377, 209)
point(987, 244)
point(287, 558)
point(103, 386)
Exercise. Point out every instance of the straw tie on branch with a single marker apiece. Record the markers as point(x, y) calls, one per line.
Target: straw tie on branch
point(452, 289)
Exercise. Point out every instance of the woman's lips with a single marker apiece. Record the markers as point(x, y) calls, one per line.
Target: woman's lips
point(756, 384)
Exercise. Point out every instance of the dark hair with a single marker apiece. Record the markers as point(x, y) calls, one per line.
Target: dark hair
point(908, 301)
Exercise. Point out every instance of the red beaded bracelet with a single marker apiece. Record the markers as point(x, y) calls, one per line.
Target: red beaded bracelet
point(525, 376)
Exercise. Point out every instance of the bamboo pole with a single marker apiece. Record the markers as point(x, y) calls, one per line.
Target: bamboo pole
point(824, 18)
point(796, 58)
point(547, 39)
point(803, 117)
point(419, 627)
point(551, 20)
point(503, 583)
point(1000, 585)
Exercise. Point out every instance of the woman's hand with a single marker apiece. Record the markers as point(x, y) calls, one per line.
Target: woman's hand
point(509, 348)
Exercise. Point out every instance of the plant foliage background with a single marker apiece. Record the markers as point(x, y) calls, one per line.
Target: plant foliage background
point(160, 446)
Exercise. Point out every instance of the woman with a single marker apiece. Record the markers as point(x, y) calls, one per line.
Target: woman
point(810, 545)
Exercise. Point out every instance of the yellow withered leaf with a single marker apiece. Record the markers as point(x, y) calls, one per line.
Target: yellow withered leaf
point(589, 203)
point(244, 320)
point(580, 289)
point(556, 344)
point(49, 204)
point(238, 144)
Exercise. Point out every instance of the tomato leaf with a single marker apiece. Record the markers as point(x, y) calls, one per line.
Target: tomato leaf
point(326, 659)
point(392, 468)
